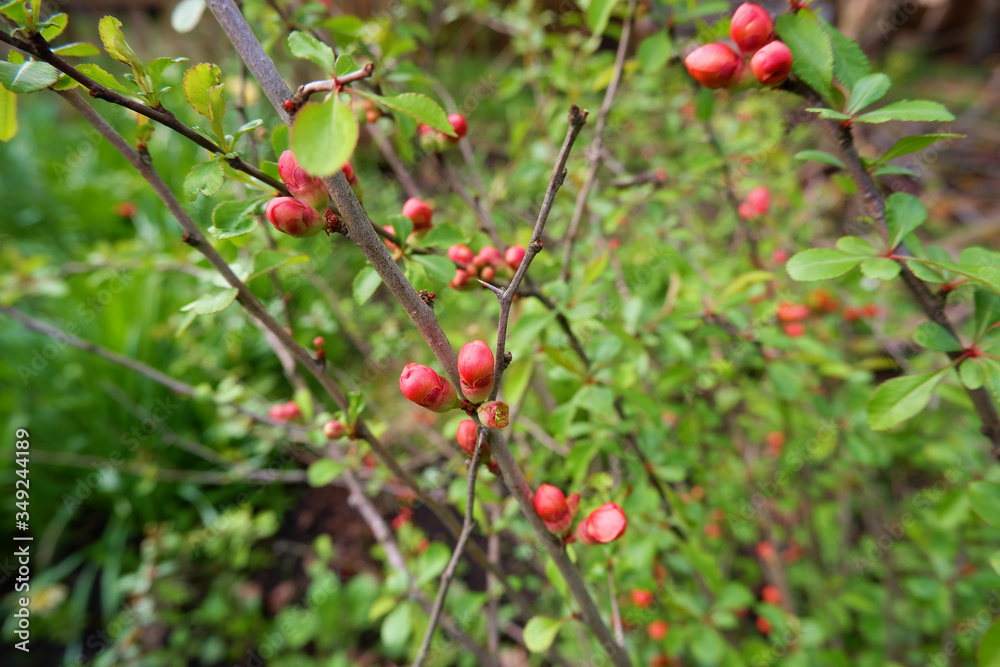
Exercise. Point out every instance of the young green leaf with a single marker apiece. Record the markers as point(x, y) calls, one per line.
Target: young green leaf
point(401, 226)
point(654, 52)
point(233, 218)
point(213, 303)
point(27, 77)
point(113, 38)
point(598, 14)
point(54, 26)
point(880, 268)
point(867, 91)
point(899, 399)
point(344, 65)
point(323, 471)
point(420, 107)
point(829, 114)
point(105, 79)
point(988, 654)
point(205, 178)
point(850, 64)
point(972, 372)
point(324, 136)
point(811, 50)
point(76, 50)
point(987, 311)
point(820, 264)
point(16, 12)
point(305, 46)
point(918, 142)
point(820, 156)
point(908, 110)
point(365, 284)
point(894, 170)
point(198, 82)
point(984, 496)
point(442, 236)
point(8, 114)
point(440, 269)
point(903, 214)
point(540, 632)
point(933, 336)
point(855, 245)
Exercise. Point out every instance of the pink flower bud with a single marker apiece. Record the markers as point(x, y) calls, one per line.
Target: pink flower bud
point(333, 429)
point(514, 256)
point(349, 173)
point(487, 273)
point(460, 254)
point(285, 411)
point(791, 312)
point(466, 436)
point(301, 185)
point(427, 389)
point(751, 28)
point(458, 124)
point(573, 502)
point(715, 65)
point(419, 212)
point(389, 244)
point(605, 524)
point(494, 414)
point(319, 342)
point(293, 217)
point(583, 532)
point(772, 64)
point(488, 256)
point(552, 508)
point(460, 280)
point(757, 203)
point(475, 369)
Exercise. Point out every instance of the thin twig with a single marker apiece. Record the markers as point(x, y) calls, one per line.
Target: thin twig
point(616, 614)
point(729, 187)
point(449, 572)
point(595, 154)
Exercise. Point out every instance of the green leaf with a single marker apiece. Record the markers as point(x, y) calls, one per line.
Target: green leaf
point(431, 562)
point(442, 236)
point(903, 214)
point(116, 46)
point(8, 114)
point(15, 11)
point(899, 399)
point(704, 103)
point(850, 64)
point(707, 645)
point(867, 91)
point(984, 497)
point(880, 268)
point(811, 50)
point(365, 284)
point(186, 15)
point(27, 77)
point(933, 336)
point(344, 65)
point(855, 245)
point(440, 269)
point(105, 79)
point(820, 264)
point(909, 110)
point(305, 46)
point(213, 303)
point(401, 226)
point(205, 178)
point(158, 66)
point(323, 471)
point(76, 50)
point(894, 170)
point(199, 83)
point(820, 156)
point(972, 372)
point(655, 51)
point(324, 136)
point(918, 142)
point(540, 632)
point(397, 626)
point(269, 260)
point(420, 107)
point(233, 218)
point(988, 654)
point(987, 311)
point(829, 114)
point(598, 14)
point(53, 26)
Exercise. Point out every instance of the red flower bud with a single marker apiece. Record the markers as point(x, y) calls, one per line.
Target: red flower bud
point(573, 502)
point(460, 280)
point(583, 532)
point(641, 598)
point(764, 625)
point(333, 429)
point(751, 28)
point(514, 256)
point(475, 369)
point(791, 312)
point(756, 204)
point(494, 414)
point(552, 508)
point(606, 524)
point(487, 273)
point(794, 329)
point(285, 411)
point(772, 64)
point(715, 65)
point(460, 254)
point(293, 217)
point(458, 124)
point(765, 551)
point(770, 595)
point(488, 256)
point(403, 518)
point(419, 212)
point(349, 173)
point(657, 630)
point(427, 389)
point(319, 343)
point(779, 256)
point(467, 436)
point(301, 185)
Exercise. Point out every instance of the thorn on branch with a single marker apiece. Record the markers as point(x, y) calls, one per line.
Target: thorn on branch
point(496, 290)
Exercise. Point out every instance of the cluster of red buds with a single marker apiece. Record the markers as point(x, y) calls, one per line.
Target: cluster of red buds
point(855, 313)
point(305, 213)
point(283, 412)
point(422, 385)
point(483, 264)
point(433, 141)
point(717, 65)
point(756, 204)
point(605, 524)
point(791, 316)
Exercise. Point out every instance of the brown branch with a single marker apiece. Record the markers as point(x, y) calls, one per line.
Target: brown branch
point(449, 572)
point(39, 49)
point(595, 154)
